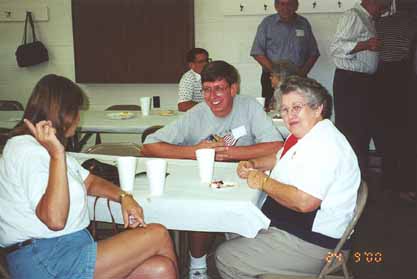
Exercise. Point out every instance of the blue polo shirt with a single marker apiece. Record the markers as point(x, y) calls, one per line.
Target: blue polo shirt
point(279, 40)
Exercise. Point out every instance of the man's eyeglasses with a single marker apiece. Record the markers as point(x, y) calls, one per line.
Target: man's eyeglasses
point(295, 109)
point(202, 61)
point(217, 90)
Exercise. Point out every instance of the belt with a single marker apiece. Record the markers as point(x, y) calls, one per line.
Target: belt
point(17, 246)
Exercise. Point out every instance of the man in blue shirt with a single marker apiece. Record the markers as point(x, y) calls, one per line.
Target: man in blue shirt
point(284, 37)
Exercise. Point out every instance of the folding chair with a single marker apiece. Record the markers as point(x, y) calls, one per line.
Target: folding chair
point(10, 105)
point(338, 260)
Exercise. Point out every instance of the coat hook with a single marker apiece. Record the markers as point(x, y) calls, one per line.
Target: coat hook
point(265, 7)
point(241, 7)
point(314, 4)
point(8, 14)
point(339, 4)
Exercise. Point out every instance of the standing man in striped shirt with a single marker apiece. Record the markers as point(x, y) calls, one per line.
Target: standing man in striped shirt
point(355, 50)
point(393, 77)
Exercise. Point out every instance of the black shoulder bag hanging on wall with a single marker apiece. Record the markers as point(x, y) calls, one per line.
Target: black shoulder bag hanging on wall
point(33, 53)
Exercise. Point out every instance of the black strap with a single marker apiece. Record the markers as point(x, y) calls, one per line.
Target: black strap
point(30, 20)
point(93, 226)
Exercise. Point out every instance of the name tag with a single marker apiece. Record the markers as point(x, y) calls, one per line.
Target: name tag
point(299, 32)
point(239, 132)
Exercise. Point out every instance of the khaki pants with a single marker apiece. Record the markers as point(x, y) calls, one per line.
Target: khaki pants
point(271, 251)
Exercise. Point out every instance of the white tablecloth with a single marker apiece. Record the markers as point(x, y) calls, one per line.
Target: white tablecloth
point(189, 205)
point(97, 121)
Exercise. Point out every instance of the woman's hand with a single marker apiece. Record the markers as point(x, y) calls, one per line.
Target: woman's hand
point(44, 133)
point(256, 179)
point(243, 168)
point(132, 213)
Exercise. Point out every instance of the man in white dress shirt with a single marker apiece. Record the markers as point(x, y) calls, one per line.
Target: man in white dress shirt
point(355, 52)
point(189, 91)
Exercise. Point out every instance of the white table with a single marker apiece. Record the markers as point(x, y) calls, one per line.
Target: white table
point(97, 121)
point(189, 205)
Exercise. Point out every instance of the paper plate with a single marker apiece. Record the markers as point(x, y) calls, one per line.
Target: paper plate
point(167, 113)
point(120, 115)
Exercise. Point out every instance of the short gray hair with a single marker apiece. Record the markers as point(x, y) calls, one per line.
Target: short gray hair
point(311, 90)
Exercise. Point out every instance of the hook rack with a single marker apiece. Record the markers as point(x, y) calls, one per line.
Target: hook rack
point(241, 7)
point(11, 13)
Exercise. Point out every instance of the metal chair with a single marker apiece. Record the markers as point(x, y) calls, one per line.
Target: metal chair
point(10, 105)
point(116, 149)
point(149, 131)
point(337, 260)
point(88, 135)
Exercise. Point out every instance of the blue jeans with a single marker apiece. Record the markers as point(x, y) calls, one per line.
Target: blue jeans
point(68, 256)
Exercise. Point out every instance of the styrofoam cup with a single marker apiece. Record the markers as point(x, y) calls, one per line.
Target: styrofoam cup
point(145, 105)
point(126, 166)
point(156, 171)
point(205, 158)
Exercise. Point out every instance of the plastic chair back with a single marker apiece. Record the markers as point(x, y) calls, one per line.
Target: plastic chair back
point(116, 149)
point(149, 131)
point(10, 105)
point(124, 107)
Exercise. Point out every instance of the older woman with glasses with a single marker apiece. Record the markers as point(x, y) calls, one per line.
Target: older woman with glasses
point(311, 191)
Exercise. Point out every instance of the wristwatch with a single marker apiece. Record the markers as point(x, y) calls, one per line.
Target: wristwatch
point(123, 194)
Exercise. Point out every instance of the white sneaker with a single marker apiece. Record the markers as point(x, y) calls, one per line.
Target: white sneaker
point(198, 273)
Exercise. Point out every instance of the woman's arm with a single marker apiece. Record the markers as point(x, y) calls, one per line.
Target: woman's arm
point(287, 195)
point(99, 187)
point(53, 207)
point(262, 163)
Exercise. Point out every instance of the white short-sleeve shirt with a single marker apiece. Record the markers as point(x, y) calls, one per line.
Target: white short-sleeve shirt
point(24, 173)
point(323, 165)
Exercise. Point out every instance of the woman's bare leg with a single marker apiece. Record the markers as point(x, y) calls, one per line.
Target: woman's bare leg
point(157, 267)
point(125, 253)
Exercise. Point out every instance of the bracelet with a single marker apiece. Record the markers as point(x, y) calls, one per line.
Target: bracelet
point(263, 182)
point(123, 194)
point(265, 179)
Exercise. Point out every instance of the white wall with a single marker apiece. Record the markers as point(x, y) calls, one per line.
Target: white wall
point(225, 37)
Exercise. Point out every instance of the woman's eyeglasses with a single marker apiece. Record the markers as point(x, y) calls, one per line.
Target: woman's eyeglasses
point(295, 109)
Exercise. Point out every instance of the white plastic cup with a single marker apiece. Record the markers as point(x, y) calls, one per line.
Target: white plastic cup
point(145, 105)
point(205, 158)
point(261, 100)
point(126, 166)
point(156, 171)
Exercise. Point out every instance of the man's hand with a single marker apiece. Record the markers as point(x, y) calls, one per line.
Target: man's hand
point(244, 167)
point(373, 44)
point(208, 144)
point(44, 133)
point(225, 153)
